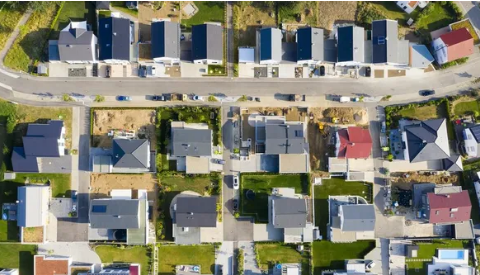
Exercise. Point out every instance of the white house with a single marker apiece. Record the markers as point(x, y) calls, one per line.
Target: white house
point(471, 137)
point(410, 6)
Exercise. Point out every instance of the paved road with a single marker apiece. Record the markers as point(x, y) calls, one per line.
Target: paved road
point(471, 11)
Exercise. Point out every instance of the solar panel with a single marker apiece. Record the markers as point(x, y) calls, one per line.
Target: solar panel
point(476, 132)
point(99, 208)
point(381, 40)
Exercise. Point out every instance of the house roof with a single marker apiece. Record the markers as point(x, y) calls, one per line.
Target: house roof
point(246, 55)
point(350, 44)
point(289, 213)
point(46, 265)
point(75, 43)
point(420, 56)
point(442, 204)
point(271, 44)
point(165, 39)
point(114, 214)
point(358, 217)
point(427, 140)
point(355, 142)
point(284, 139)
point(22, 163)
point(42, 139)
point(131, 153)
point(207, 42)
point(52, 129)
point(310, 44)
point(453, 164)
point(459, 43)
point(32, 205)
point(330, 50)
point(114, 38)
point(196, 212)
point(475, 130)
point(191, 142)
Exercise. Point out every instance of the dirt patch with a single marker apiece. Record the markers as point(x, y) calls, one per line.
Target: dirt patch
point(379, 73)
point(138, 120)
point(395, 73)
point(33, 234)
point(102, 184)
point(291, 114)
point(147, 12)
point(250, 19)
point(357, 116)
point(406, 180)
point(335, 12)
point(318, 142)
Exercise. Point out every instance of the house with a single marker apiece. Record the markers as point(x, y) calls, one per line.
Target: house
point(120, 218)
point(310, 48)
point(165, 46)
point(449, 208)
point(102, 5)
point(451, 261)
point(207, 44)
point(351, 219)
point(32, 206)
point(353, 143)
point(386, 47)
point(452, 46)
point(41, 141)
point(269, 45)
point(131, 156)
point(350, 46)
point(191, 215)
point(420, 56)
point(289, 213)
point(246, 55)
point(115, 35)
point(356, 267)
point(471, 137)
point(76, 44)
point(51, 265)
point(410, 6)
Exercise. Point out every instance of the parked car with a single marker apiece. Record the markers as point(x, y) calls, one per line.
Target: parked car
point(154, 71)
point(235, 204)
point(107, 71)
point(236, 183)
point(142, 71)
point(124, 98)
point(427, 92)
point(218, 161)
point(74, 196)
point(159, 98)
point(198, 98)
point(322, 70)
point(257, 99)
point(368, 72)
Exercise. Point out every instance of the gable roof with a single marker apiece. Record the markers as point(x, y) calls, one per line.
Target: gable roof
point(355, 142)
point(207, 42)
point(453, 164)
point(75, 43)
point(475, 130)
point(32, 205)
point(114, 38)
point(310, 44)
point(191, 142)
point(271, 44)
point(358, 217)
point(114, 213)
point(289, 213)
point(459, 43)
point(284, 139)
point(131, 153)
point(420, 56)
point(350, 44)
point(53, 129)
point(23, 163)
point(444, 203)
point(165, 39)
point(46, 265)
point(196, 212)
point(427, 140)
point(42, 139)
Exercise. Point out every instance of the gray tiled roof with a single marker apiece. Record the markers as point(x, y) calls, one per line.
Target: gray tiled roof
point(284, 139)
point(165, 39)
point(387, 48)
point(427, 140)
point(453, 164)
point(358, 217)
point(351, 44)
point(196, 212)
point(114, 213)
point(420, 56)
point(191, 142)
point(271, 44)
point(207, 42)
point(310, 44)
point(76, 44)
point(22, 163)
point(289, 213)
point(131, 153)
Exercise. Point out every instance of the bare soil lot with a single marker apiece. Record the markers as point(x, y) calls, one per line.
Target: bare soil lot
point(102, 184)
point(406, 180)
point(147, 12)
point(336, 116)
point(335, 12)
point(318, 145)
point(249, 20)
point(142, 121)
point(33, 234)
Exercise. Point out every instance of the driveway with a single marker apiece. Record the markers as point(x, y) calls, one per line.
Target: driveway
point(250, 266)
point(80, 252)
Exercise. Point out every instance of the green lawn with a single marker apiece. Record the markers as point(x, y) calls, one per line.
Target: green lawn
point(120, 5)
point(129, 254)
point(329, 256)
point(423, 113)
point(10, 17)
point(335, 187)
point(288, 12)
point(391, 11)
point(172, 255)
point(467, 107)
point(470, 170)
point(9, 231)
point(60, 183)
point(437, 17)
point(29, 45)
point(18, 256)
point(72, 10)
point(207, 12)
point(262, 186)
point(427, 251)
point(271, 253)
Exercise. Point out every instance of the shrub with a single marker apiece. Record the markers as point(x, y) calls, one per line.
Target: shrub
point(212, 98)
point(390, 157)
point(366, 13)
point(11, 123)
point(99, 98)
point(66, 98)
point(242, 98)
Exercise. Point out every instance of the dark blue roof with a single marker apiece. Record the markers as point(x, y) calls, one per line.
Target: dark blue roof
point(114, 38)
point(165, 39)
point(199, 42)
point(22, 163)
point(158, 39)
point(266, 44)
point(304, 44)
point(345, 44)
point(379, 44)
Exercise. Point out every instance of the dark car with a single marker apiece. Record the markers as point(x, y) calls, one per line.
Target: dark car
point(74, 195)
point(218, 161)
point(107, 71)
point(124, 98)
point(322, 70)
point(427, 92)
point(159, 98)
point(235, 205)
point(142, 71)
point(368, 72)
point(257, 99)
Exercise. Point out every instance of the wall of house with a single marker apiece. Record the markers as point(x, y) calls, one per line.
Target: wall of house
point(440, 51)
point(471, 144)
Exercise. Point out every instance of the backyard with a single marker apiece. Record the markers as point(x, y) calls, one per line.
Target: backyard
point(60, 183)
point(470, 169)
point(76, 12)
point(256, 204)
point(467, 108)
point(120, 254)
point(303, 12)
point(330, 256)
point(171, 256)
point(336, 187)
point(18, 256)
point(207, 12)
point(426, 250)
point(272, 253)
point(120, 6)
point(8, 194)
point(10, 16)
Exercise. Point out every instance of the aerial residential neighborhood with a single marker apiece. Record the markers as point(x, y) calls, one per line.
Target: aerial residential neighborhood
point(240, 138)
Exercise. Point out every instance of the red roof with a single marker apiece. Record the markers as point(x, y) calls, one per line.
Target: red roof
point(413, 4)
point(355, 143)
point(134, 269)
point(449, 208)
point(50, 265)
point(459, 43)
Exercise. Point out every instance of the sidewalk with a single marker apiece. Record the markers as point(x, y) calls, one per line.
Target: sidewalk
point(224, 259)
point(250, 266)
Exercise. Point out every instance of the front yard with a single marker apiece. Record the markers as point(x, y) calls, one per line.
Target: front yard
point(18, 256)
point(120, 6)
point(208, 11)
point(330, 256)
point(470, 169)
point(172, 255)
point(270, 254)
point(255, 189)
point(125, 254)
point(336, 187)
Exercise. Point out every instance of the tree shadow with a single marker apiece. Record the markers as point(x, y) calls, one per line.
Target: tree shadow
point(26, 262)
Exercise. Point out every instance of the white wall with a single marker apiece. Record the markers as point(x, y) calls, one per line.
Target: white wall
point(471, 144)
point(440, 51)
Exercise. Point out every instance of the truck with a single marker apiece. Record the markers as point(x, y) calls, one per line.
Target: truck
point(344, 99)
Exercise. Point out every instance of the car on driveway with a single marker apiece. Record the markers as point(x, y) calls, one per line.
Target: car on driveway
point(426, 92)
point(159, 98)
point(236, 183)
point(198, 98)
point(235, 204)
point(218, 161)
point(124, 98)
point(74, 196)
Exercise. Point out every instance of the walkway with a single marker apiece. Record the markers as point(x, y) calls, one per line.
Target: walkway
point(224, 259)
point(14, 35)
point(250, 266)
point(230, 50)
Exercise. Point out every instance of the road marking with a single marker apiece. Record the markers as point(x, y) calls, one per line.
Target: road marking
point(8, 73)
point(6, 86)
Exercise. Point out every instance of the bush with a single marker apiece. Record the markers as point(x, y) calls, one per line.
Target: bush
point(212, 98)
point(66, 98)
point(242, 98)
point(366, 13)
point(99, 98)
point(11, 123)
point(390, 157)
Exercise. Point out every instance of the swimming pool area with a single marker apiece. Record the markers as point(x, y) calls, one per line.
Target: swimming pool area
point(451, 254)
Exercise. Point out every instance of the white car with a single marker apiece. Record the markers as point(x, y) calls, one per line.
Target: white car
point(154, 72)
point(198, 98)
point(236, 183)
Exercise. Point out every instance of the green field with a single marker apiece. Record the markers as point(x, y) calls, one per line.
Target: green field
point(271, 253)
point(18, 256)
point(330, 256)
point(72, 10)
point(60, 183)
point(336, 187)
point(120, 5)
point(207, 12)
point(10, 17)
point(437, 17)
point(467, 107)
point(262, 186)
point(130, 254)
point(171, 256)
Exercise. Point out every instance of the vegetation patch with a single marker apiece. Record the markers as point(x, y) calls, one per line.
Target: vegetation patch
point(208, 11)
point(172, 255)
point(126, 254)
point(298, 12)
point(18, 256)
point(269, 254)
point(468, 25)
point(71, 11)
point(470, 169)
point(59, 183)
point(10, 15)
point(467, 108)
point(330, 256)
point(120, 6)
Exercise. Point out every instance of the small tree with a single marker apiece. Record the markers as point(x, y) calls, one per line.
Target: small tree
point(390, 157)
point(66, 98)
point(99, 98)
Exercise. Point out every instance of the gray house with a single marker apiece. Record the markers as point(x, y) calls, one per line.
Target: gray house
point(386, 47)
point(131, 156)
point(289, 213)
point(76, 44)
point(32, 206)
point(207, 44)
point(357, 218)
point(165, 42)
point(284, 139)
point(192, 216)
point(310, 46)
point(427, 140)
point(269, 45)
point(191, 142)
point(350, 46)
